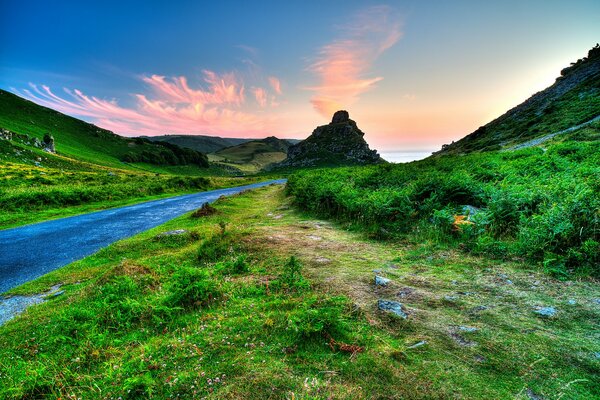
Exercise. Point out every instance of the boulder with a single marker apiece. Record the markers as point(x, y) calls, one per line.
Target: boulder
point(48, 143)
point(393, 307)
point(381, 281)
point(340, 117)
point(546, 312)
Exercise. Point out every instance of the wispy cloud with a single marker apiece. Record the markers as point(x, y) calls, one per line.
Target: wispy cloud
point(342, 65)
point(169, 105)
point(275, 84)
point(260, 95)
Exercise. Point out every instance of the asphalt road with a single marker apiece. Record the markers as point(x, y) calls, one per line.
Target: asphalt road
point(31, 251)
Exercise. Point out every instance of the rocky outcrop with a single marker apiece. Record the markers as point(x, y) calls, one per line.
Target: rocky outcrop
point(48, 143)
point(339, 143)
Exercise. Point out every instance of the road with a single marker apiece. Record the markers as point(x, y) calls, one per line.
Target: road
point(31, 251)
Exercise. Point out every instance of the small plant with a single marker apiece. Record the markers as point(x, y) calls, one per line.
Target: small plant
point(216, 247)
point(204, 211)
point(291, 277)
point(233, 267)
point(223, 225)
point(190, 288)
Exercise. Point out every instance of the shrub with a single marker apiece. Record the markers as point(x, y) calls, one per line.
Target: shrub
point(233, 267)
point(291, 276)
point(314, 318)
point(190, 288)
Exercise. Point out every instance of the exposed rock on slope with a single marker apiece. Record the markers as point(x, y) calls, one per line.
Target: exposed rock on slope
point(572, 100)
point(339, 143)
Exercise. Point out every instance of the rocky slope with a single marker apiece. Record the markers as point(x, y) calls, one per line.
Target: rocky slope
point(339, 143)
point(572, 100)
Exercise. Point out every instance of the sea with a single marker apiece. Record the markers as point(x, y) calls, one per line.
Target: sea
point(404, 156)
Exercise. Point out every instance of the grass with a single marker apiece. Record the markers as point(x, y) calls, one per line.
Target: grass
point(251, 157)
point(539, 205)
point(223, 311)
point(30, 193)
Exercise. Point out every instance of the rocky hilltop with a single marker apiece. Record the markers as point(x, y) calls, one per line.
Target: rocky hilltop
point(338, 143)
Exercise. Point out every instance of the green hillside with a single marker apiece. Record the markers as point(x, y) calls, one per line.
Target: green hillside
point(254, 155)
point(202, 143)
point(573, 100)
point(86, 142)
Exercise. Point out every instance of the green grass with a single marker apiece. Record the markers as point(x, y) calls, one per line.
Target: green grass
point(165, 317)
point(31, 194)
point(253, 156)
point(541, 206)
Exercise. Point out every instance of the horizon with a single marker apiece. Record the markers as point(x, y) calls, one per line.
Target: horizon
point(412, 76)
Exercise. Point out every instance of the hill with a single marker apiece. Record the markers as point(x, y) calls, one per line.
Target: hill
point(254, 155)
point(86, 142)
point(202, 143)
point(572, 102)
point(339, 143)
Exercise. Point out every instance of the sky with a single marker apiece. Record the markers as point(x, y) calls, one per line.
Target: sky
point(413, 74)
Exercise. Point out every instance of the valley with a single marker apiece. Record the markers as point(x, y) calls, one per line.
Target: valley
point(319, 270)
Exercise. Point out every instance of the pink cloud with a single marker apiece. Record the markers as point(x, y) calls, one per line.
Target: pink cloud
point(261, 96)
point(341, 66)
point(275, 84)
point(170, 106)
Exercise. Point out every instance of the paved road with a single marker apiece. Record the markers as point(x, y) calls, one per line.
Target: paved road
point(31, 251)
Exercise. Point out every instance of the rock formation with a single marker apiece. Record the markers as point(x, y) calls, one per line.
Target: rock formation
point(338, 143)
point(48, 143)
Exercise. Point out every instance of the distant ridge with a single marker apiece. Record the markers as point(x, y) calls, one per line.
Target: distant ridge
point(573, 100)
point(202, 143)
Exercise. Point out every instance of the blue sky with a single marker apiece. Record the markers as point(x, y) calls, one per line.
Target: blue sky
point(414, 75)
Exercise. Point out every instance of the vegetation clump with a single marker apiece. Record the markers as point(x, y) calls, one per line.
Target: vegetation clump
point(204, 211)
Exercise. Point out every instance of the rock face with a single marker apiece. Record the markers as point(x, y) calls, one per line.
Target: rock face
point(48, 143)
point(339, 143)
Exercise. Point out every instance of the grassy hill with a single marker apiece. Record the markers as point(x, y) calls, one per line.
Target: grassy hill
point(82, 141)
point(574, 99)
point(254, 155)
point(202, 143)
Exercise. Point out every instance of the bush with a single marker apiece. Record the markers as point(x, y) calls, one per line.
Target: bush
point(233, 267)
point(315, 318)
point(191, 288)
point(291, 276)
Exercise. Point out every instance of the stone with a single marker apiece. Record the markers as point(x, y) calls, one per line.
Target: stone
point(418, 344)
point(546, 312)
point(48, 143)
point(340, 117)
point(381, 281)
point(175, 232)
point(393, 307)
point(571, 302)
point(5, 134)
point(55, 294)
point(468, 329)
